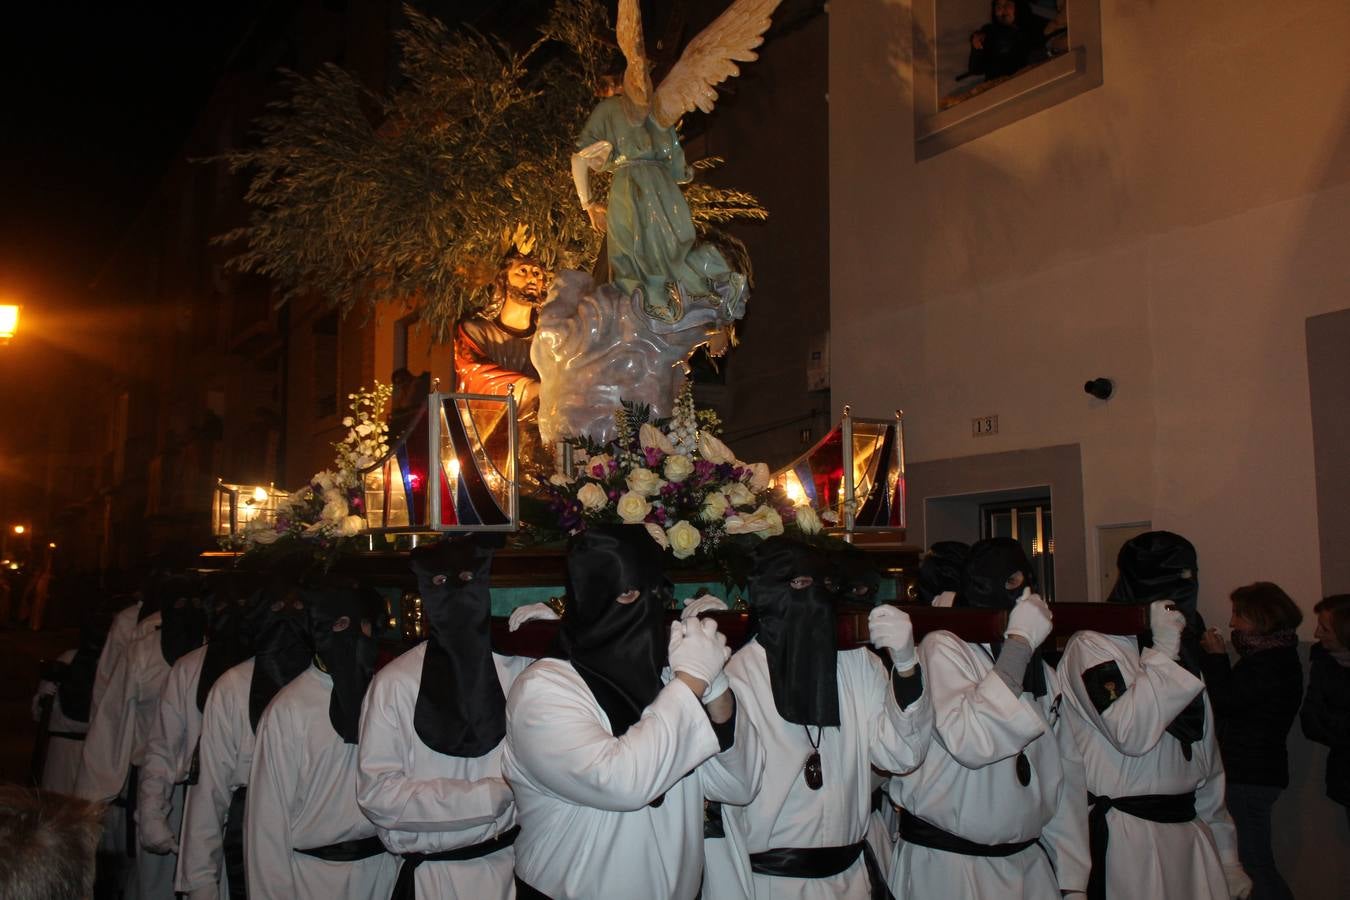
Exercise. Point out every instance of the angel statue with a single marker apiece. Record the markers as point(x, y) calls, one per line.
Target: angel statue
point(654, 254)
point(669, 294)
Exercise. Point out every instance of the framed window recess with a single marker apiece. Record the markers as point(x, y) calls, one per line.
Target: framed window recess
point(1030, 522)
point(960, 95)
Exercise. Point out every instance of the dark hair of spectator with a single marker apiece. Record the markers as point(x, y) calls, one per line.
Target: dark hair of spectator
point(1339, 607)
point(1267, 607)
point(49, 841)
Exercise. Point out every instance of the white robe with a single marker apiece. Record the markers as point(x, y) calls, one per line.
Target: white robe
point(1127, 752)
point(786, 813)
point(118, 738)
point(168, 752)
point(587, 830)
point(222, 765)
point(423, 801)
point(62, 765)
point(124, 629)
point(968, 786)
point(301, 796)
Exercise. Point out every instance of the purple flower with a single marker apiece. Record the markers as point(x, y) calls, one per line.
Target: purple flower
point(613, 465)
point(653, 456)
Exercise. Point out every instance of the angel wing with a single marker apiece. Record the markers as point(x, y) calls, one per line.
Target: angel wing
point(637, 79)
point(711, 58)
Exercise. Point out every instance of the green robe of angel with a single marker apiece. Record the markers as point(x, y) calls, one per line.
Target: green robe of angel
point(651, 238)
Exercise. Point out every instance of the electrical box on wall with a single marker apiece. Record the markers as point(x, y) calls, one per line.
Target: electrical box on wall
point(818, 362)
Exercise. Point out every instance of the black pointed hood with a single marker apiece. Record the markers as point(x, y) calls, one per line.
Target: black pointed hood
point(992, 564)
point(182, 611)
point(76, 690)
point(280, 633)
point(461, 710)
point(340, 614)
point(1158, 565)
point(618, 648)
point(941, 570)
point(794, 611)
point(230, 596)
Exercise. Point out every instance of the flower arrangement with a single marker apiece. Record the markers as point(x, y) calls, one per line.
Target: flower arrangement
point(328, 510)
point(676, 478)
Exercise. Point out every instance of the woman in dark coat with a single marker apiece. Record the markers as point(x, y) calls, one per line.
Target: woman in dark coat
point(1255, 703)
point(1326, 709)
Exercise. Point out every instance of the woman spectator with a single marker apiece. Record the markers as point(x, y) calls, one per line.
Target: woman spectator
point(1255, 703)
point(1326, 709)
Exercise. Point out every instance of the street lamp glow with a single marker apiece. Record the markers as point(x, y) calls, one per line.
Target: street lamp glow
point(52, 544)
point(9, 321)
point(19, 529)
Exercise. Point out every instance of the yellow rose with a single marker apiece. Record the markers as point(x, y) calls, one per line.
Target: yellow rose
point(633, 507)
point(807, 520)
point(658, 535)
point(714, 507)
point(739, 495)
point(713, 450)
point(678, 468)
point(684, 539)
point(592, 496)
point(558, 479)
point(650, 436)
point(644, 482)
point(764, 522)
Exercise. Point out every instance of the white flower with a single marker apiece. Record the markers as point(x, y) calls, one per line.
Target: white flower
point(739, 495)
point(645, 482)
point(632, 507)
point(324, 479)
point(759, 476)
point(764, 522)
point(658, 535)
point(351, 526)
point(678, 468)
point(714, 506)
point(713, 450)
point(598, 463)
point(649, 436)
point(592, 496)
point(264, 536)
point(807, 520)
point(684, 539)
point(363, 429)
point(348, 422)
point(558, 479)
point(334, 511)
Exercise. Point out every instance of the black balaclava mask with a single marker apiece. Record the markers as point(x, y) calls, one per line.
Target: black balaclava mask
point(941, 570)
point(182, 624)
point(76, 691)
point(855, 578)
point(281, 636)
point(1160, 565)
point(228, 643)
point(992, 566)
point(339, 617)
point(794, 612)
point(461, 710)
point(619, 648)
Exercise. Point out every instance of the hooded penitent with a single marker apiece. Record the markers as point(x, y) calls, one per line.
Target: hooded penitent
point(794, 611)
point(280, 635)
point(76, 691)
point(855, 578)
point(613, 628)
point(182, 611)
point(1161, 565)
point(229, 596)
point(460, 710)
point(991, 581)
point(941, 570)
point(343, 623)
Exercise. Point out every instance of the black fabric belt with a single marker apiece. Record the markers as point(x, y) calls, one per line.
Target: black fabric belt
point(406, 886)
point(1170, 808)
point(232, 845)
point(68, 735)
point(925, 834)
point(353, 850)
point(525, 892)
point(820, 862)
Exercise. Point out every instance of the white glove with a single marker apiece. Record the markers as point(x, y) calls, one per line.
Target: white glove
point(155, 836)
point(705, 603)
point(1030, 619)
point(698, 650)
point(1166, 623)
point(1239, 885)
point(891, 628)
point(529, 613)
point(946, 598)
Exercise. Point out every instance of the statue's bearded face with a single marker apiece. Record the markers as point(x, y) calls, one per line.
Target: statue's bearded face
point(525, 281)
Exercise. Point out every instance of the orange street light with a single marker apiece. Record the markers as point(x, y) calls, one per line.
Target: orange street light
point(9, 321)
point(18, 529)
point(52, 544)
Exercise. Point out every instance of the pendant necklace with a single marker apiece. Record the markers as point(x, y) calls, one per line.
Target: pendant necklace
point(811, 771)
